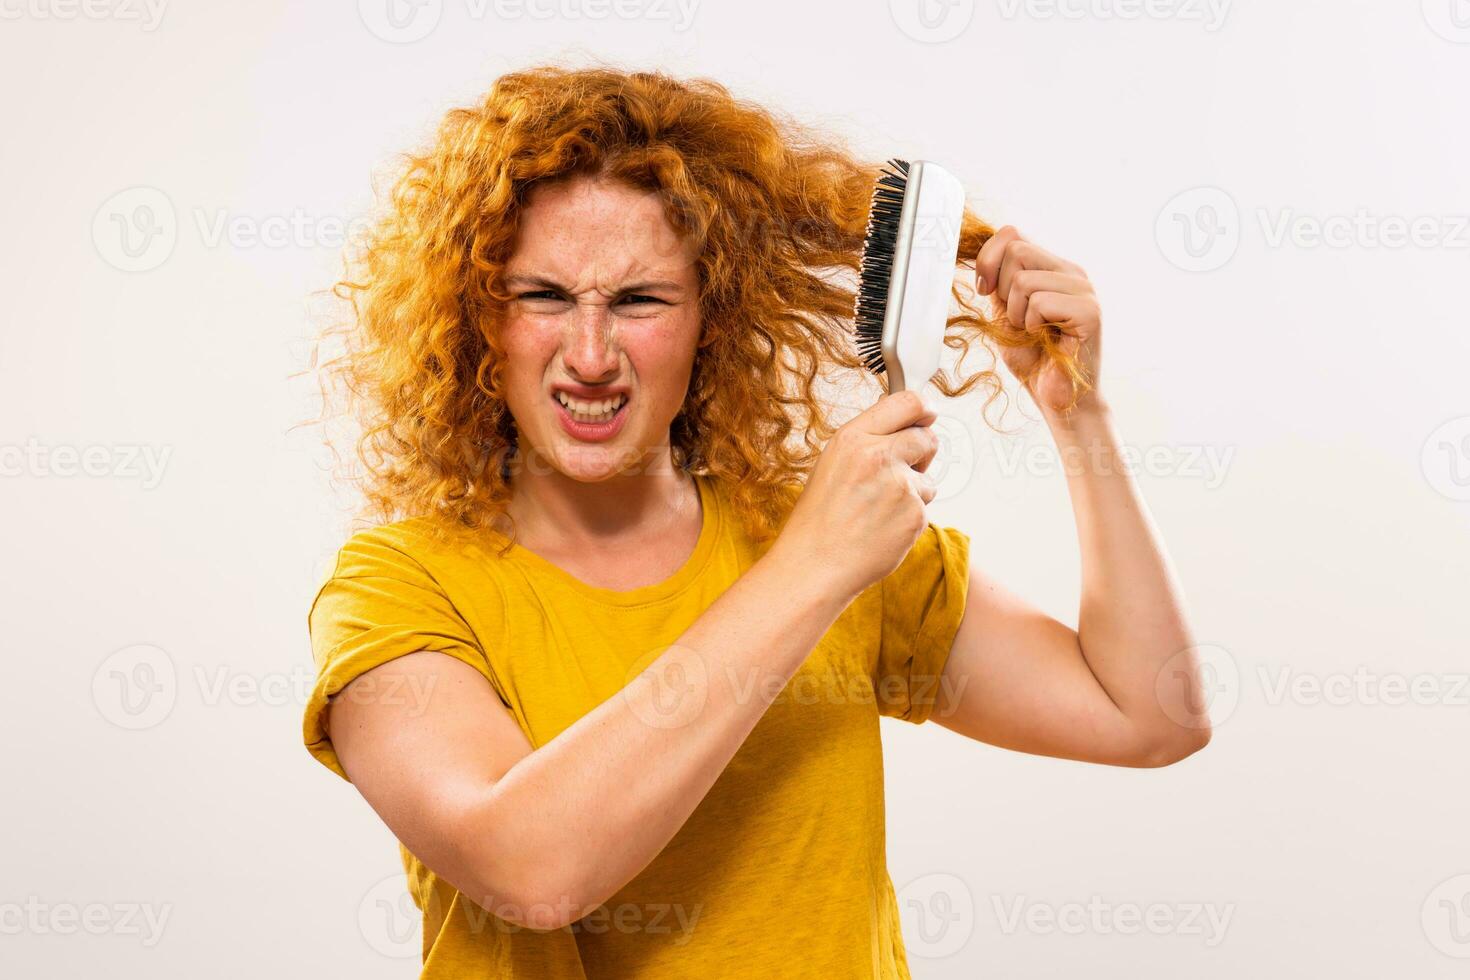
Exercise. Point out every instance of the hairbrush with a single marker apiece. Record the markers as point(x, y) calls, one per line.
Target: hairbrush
point(907, 271)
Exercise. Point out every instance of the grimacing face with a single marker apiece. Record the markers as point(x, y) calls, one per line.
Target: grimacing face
point(601, 333)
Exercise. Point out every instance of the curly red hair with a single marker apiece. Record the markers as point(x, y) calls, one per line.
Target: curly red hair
point(774, 208)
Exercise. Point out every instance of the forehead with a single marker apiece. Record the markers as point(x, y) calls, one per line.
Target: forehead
point(591, 230)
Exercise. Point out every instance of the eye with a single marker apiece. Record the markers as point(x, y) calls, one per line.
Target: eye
point(541, 294)
point(639, 299)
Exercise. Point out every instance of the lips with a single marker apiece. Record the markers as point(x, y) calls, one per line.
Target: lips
point(589, 392)
point(579, 422)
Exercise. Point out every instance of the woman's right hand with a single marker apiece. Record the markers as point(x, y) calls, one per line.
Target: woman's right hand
point(862, 508)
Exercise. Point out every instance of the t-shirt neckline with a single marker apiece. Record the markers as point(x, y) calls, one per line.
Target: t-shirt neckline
point(711, 520)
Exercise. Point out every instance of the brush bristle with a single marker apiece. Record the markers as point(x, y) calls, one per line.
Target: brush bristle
point(876, 265)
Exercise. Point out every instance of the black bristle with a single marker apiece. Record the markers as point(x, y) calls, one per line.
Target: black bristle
point(876, 264)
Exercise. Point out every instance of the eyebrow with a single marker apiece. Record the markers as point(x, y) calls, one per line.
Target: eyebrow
point(532, 279)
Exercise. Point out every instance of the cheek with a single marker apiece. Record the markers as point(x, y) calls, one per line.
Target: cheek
point(529, 346)
point(662, 352)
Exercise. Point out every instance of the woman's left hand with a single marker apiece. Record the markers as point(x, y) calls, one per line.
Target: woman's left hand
point(1032, 287)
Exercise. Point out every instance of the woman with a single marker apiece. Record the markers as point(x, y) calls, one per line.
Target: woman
point(610, 667)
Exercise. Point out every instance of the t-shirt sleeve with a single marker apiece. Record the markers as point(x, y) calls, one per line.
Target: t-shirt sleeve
point(378, 604)
point(923, 601)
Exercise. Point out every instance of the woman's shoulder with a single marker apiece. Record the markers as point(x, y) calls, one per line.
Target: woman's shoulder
point(425, 543)
point(409, 572)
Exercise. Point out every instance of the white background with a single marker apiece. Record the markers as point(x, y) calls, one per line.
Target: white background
point(1325, 546)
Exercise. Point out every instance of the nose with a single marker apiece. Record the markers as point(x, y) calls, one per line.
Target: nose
point(590, 353)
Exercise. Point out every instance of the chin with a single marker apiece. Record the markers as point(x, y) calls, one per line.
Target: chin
point(584, 462)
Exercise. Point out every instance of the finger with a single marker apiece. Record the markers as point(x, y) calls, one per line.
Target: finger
point(1022, 255)
point(988, 259)
point(1069, 312)
point(922, 484)
point(1037, 257)
point(924, 462)
point(922, 466)
point(1028, 282)
point(915, 446)
point(894, 412)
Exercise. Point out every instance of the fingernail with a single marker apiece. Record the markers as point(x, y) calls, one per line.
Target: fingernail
point(980, 285)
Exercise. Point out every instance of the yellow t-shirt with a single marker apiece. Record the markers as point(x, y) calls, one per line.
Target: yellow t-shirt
point(781, 869)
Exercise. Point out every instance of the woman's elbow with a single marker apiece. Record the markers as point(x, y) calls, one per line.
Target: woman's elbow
point(531, 892)
point(1174, 745)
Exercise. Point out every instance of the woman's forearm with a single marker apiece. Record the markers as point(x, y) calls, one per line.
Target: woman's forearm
point(1132, 622)
point(597, 803)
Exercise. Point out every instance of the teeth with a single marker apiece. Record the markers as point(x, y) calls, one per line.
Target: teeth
point(591, 411)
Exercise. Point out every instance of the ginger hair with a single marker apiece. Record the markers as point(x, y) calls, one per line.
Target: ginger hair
point(777, 213)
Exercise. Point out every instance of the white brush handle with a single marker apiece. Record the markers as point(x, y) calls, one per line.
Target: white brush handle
point(923, 275)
